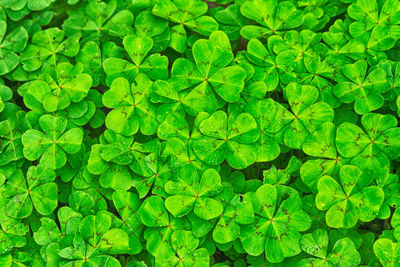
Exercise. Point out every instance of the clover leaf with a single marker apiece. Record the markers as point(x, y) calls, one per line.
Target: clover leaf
point(87, 112)
point(192, 192)
point(51, 145)
point(230, 20)
point(203, 228)
point(280, 178)
point(390, 186)
point(307, 115)
point(154, 215)
point(318, 13)
point(155, 171)
point(96, 231)
point(371, 149)
point(232, 140)
point(395, 222)
point(100, 18)
point(10, 137)
point(392, 70)
point(340, 47)
point(33, 96)
point(137, 48)
point(349, 202)
point(271, 117)
point(11, 44)
point(83, 202)
point(92, 56)
point(366, 250)
point(296, 47)
point(316, 244)
point(274, 17)
point(49, 46)
point(317, 216)
point(37, 190)
point(13, 4)
point(12, 234)
point(238, 211)
point(321, 145)
point(174, 100)
point(211, 72)
point(320, 74)
point(387, 251)
point(127, 205)
point(185, 244)
point(266, 66)
point(147, 24)
point(114, 161)
point(174, 126)
point(277, 227)
point(380, 20)
point(82, 253)
point(49, 232)
point(37, 5)
point(185, 13)
point(6, 94)
point(131, 109)
point(361, 87)
point(58, 89)
point(175, 130)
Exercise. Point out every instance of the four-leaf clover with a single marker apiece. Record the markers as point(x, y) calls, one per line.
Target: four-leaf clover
point(37, 190)
point(361, 87)
point(189, 13)
point(349, 202)
point(277, 227)
point(192, 192)
point(131, 107)
point(51, 145)
point(227, 138)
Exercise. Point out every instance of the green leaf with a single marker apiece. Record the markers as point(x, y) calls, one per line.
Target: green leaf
point(307, 115)
point(233, 140)
point(52, 145)
point(387, 251)
point(211, 71)
point(344, 252)
point(38, 5)
point(373, 148)
point(48, 46)
point(316, 244)
point(13, 43)
point(138, 48)
point(37, 191)
point(131, 109)
point(228, 83)
point(127, 205)
point(191, 192)
point(277, 225)
point(322, 142)
point(238, 211)
point(10, 137)
point(115, 241)
point(185, 13)
point(271, 118)
point(153, 213)
point(271, 15)
point(361, 87)
point(350, 202)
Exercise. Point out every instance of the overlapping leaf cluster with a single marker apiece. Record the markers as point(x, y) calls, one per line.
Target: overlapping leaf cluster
point(199, 133)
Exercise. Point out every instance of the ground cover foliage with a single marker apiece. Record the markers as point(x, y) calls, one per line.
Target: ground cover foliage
point(192, 133)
